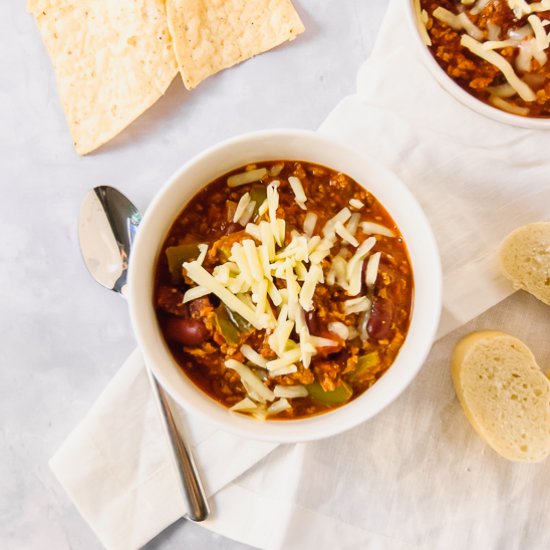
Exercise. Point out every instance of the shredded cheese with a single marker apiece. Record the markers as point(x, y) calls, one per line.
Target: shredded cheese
point(355, 265)
point(357, 305)
point(272, 201)
point(479, 7)
point(504, 90)
point(447, 17)
point(356, 203)
point(194, 293)
point(321, 251)
point(278, 407)
point(203, 249)
point(252, 259)
point(253, 356)
point(238, 255)
point(507, 106)
point(252, 384)
point(290, 369)
point(298, 190)
point(372, 228)
point(310, 221)
point(338, 328)
point(523, 90)
point(278, 340)
point(320, 342)
point(280, 231)
point(372, 269)
point(308, 289)
point(253, 230)
point(287, 358)
point(519, 7)
point(201, 277)
point(353, 223)
point(241, 207)
point(342, 216)
point(301, 271)
point(224, 271)
point(469, 27)
point(268, 239)
point(493, 31)
point(458, 22)
point(245, 405)
point(290, 392)
point(498, 44)
point(342, 231)
point(261, 298)
point(421, 24)
point(274, 294)
point(246, 177)
point(263, 207)
point(541, 38)
point(247, 214)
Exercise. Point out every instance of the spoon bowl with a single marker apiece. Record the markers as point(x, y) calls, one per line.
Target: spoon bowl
point(107, 227)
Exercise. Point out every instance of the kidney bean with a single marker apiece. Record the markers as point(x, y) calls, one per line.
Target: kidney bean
point(198, 306)
point(190, 332)
point(381, 317)
point(233, 228)
point(170, 299)
point(312, 322)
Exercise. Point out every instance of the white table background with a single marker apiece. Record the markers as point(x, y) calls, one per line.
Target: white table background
point(62, 337)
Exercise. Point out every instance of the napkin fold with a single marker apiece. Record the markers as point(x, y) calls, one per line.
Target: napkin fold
point(414, 476)
point(116, 466)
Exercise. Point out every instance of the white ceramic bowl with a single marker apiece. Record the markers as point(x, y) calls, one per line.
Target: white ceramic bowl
point(288, 145)
point(450, 86)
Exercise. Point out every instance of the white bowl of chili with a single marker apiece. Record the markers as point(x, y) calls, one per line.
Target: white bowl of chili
point(514, 100)
point(155, 315)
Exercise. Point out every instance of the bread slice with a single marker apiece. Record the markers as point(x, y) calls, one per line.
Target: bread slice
point(504, 394)
point(525, 259)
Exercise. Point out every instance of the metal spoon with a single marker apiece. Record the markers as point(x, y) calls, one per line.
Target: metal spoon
point(107, 226)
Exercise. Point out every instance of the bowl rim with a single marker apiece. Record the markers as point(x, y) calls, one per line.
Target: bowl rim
point(284, 431)
point(452, 88)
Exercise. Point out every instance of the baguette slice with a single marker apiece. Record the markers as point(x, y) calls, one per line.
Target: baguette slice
point(525, 259)
point(504, 394)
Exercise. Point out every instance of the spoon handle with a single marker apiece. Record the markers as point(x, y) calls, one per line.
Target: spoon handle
point(188, 478)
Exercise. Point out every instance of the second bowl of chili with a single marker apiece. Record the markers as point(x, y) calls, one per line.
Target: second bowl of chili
point(490, 55)
point(279, 276)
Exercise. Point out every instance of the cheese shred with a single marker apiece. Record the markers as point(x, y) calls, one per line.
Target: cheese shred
point(523, 90)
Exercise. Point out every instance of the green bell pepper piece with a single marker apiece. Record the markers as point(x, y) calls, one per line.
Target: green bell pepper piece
point(258, 194)
point(227, 328)
point(365, 363)
point(239, 322)
point(176, 255)
point(337, 396)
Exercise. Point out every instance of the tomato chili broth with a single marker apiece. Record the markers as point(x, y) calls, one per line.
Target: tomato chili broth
point(204, 333)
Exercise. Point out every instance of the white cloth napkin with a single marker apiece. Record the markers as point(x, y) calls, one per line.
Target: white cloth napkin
point(416, 475)
point(116, 468)
point(476, 179)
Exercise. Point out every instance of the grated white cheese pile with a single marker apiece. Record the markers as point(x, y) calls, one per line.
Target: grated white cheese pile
point(531, 41)
point(247, 284)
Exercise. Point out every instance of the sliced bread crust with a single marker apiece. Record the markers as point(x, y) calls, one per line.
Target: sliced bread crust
point(504, 394)
point(525, 259)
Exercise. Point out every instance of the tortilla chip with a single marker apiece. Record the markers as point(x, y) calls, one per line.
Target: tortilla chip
point(211, 35)
point(112, 60)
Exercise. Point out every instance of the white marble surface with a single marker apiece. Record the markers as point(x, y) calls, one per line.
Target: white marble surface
point(62, 337)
